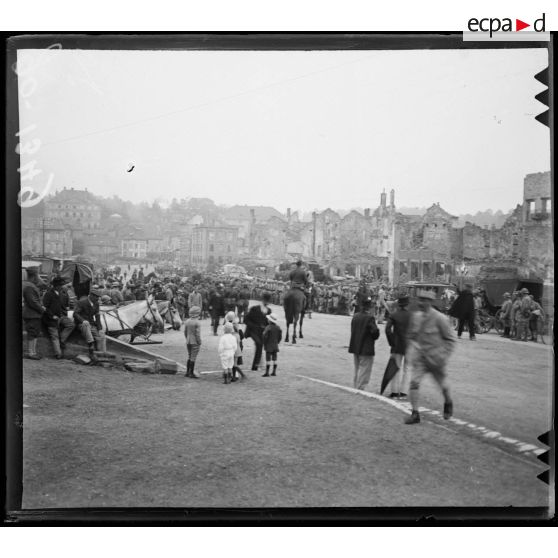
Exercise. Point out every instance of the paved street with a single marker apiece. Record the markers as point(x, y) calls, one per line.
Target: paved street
point(99, 438)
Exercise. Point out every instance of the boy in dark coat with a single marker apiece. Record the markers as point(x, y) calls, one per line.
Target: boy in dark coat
point(272, 336)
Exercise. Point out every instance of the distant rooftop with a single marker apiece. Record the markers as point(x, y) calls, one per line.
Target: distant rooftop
point(69, 195)
point(261, 212)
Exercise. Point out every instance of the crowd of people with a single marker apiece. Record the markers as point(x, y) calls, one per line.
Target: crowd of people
point(225, 300)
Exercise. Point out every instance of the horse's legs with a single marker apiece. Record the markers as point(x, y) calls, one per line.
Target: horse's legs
point(294, 330)
point(300, 326)
point(287, 336)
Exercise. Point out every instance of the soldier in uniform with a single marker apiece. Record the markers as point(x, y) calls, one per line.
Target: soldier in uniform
point(516, 300)
point(298, 277)
point(537, 315)
point(505, 314)
point(523, 315)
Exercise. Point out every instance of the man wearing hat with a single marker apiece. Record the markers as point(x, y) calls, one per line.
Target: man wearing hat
point(32, 312)
point(505, 314)
point(364, 333)
point(115, 294)
point(523, 315)
point(298, 277)
point(216, 307)
point(256, 322)
point(56, 302)
point(396, 333)
point(88, 319)
point(537, 314)
point(431, 342)
point(192, 332)
point(128, 293)
point(463, 308)
point(272, 336)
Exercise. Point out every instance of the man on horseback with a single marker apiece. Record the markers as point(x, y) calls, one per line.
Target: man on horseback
point(299, 277)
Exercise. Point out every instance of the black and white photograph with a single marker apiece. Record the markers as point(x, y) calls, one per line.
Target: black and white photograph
point(274, 275)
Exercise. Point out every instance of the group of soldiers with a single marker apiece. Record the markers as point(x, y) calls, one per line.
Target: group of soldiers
point(341, 299)
point(521, 315)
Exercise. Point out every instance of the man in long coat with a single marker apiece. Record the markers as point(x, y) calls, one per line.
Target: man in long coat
point(32, 312)
point(216, 307)
point(364, 333)
point(463, 309)
point(256, 321)
point(396, 333)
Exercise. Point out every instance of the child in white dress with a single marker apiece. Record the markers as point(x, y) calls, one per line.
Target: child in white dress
point(227, 348)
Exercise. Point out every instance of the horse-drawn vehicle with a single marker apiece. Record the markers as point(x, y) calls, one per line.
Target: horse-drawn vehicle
point(129, 321)
point(126, 321)
point(443, 292)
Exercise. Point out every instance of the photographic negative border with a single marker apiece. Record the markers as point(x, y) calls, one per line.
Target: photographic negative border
point(13, 321)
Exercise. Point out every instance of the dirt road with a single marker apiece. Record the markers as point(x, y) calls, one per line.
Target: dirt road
point(98, 437)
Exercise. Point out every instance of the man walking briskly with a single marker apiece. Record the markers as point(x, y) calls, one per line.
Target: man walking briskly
point(364, 333)
point(431, 342)
point(59, 326)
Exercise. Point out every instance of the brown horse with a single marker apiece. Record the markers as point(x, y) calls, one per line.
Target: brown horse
point(294, 304)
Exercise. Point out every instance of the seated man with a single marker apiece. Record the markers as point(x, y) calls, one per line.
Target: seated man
point(56, 302)
point(88, 320)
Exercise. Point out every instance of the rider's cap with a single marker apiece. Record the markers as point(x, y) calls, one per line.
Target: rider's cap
point(506, 295)
point(95, 292)
point(524, 291)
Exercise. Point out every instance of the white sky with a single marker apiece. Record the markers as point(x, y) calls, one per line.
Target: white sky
point(306, 130)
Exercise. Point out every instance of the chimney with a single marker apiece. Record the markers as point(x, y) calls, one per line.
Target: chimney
point(289, 214)
point(314, 223)
point(392, 198)
point(383, 199)
point(367, 212)
point(253, 215)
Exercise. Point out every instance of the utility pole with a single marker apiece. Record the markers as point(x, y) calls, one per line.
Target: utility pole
point(43, 251)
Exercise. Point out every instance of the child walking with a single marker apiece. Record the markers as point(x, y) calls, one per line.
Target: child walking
point(192, 332)
point(272, 336)
point(227, 349)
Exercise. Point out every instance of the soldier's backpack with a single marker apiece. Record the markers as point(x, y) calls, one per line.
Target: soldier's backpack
point(525, 307)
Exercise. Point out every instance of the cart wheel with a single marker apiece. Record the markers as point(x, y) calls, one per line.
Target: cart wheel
point(497, 322)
